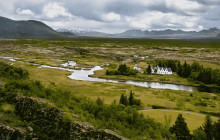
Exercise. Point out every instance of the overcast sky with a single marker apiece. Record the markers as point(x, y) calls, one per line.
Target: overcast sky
point(112, 16)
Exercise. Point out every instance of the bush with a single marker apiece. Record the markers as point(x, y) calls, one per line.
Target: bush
point(11, 72)
point(158, 107)
point(201, 103)
point(122, 70)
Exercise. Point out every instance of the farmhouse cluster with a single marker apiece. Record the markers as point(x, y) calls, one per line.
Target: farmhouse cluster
point(161, 70)
point(157, 70)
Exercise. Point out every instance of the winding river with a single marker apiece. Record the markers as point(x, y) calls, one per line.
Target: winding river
point(83, 75)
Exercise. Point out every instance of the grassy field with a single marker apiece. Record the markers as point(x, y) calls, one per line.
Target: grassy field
point(111, 91)
point(90, 52)
point(193, 121)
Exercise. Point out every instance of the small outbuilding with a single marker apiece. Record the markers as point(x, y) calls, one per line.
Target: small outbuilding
point(136, 67)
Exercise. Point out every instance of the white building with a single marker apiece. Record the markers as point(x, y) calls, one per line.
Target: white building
point(136, 67)
point(141, 57)
point(161, 70)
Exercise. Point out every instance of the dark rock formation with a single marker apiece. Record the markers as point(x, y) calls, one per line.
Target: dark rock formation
point(9, 133)
point(49, 122)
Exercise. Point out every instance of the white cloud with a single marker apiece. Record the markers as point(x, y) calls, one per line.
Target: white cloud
point(186, 6)
point(159, 20)
point(54, 10)
point(25, 12)
point(111, 17)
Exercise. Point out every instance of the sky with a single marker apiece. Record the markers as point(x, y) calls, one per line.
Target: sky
point(114, 16)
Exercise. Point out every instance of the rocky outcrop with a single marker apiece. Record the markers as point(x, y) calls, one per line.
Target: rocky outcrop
point(9, 133)
point(83, 131)
point(49, 122)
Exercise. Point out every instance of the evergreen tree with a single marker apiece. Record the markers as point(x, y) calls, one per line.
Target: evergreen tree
point(123, 100)
point(99, 101)
point(131, 98)
point(180, 129)
point(188, 70)
point(180, 70)
point(184, 71)
point(207, 127)
point(195, 67)
point(149, 69)
point(123, 69)
point(216, 127)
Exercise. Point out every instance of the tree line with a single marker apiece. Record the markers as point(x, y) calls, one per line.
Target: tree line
point(169, 63)
point(194, 72)
point(123, 69)
point(208, 130)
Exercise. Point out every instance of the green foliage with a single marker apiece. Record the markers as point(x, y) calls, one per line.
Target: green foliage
point(201, 103)
point(168, 63)
point(208, 131)
point(186, 71)
point(180, 129)
point(122, 70)
point(168, 120)
point(123, 100)
point(131, 101)
point(125, 119)
point(196, 72)
point(11, 72)
point(131, 98)
point(158, 107)
point(207, 127)
point(148, 69)
point(27, 88)
point(99, 101)
point(6, 108)
point(198, 134)
point(216, 127)
point(196, 67)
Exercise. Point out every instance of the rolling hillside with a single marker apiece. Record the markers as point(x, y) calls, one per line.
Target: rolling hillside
point(26, 29)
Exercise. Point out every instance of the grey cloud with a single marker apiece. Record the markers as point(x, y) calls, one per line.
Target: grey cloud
point(213, 14)
point(91, 12)
point(208, 2)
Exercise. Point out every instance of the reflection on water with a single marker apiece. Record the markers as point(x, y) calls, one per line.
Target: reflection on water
point(8, 58)
point(84, 75)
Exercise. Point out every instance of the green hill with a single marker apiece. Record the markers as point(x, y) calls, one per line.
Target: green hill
point(26, 29)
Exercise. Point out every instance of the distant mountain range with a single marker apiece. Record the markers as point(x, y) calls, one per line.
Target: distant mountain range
point(26, 29)
point(82, 32)
point(36, 29)
point(135, 33)
point(218, 36)
point(213, 32)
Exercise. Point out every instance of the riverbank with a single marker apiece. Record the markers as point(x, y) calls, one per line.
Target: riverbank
point(163, 79)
